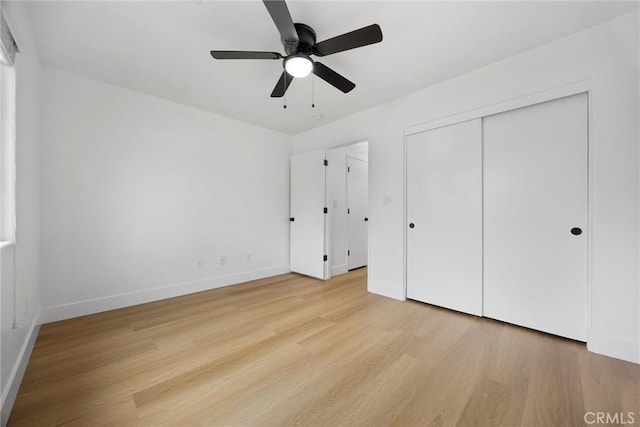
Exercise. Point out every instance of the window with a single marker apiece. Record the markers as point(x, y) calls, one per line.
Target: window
point(8, 50)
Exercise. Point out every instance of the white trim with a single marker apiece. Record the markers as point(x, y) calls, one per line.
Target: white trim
point(562, 91)
point(405, 225)
point(482, 217)
point(97, 305)
point(10, 392)
point(590, 204)
point(618, 347)
point(327, 224)
point(347, 144)
point(369, 212)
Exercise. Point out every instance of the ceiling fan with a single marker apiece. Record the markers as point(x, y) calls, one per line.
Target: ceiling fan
point(299, 41)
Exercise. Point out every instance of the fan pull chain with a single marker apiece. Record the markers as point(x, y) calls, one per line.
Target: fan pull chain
point(284, 84)
point(313, 92)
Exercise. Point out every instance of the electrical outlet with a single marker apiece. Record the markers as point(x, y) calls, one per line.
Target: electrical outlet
point(199, 263)
point(223, 259)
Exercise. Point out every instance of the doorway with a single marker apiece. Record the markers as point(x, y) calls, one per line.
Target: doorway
point(329, 210)
point(357, 212)
point(348, 200)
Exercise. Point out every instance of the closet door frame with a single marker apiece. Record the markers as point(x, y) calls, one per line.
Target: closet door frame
point(575, 88)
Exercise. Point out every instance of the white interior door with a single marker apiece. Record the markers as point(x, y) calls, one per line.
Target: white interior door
point(357, 212)
point(535, 194)
point(444, 215)
point(308, 220)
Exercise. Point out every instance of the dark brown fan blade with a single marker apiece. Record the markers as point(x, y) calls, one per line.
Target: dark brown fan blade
point(282, 85)
point(333, 78)
point(244, 54)
point(358, 38)
point(282, 18)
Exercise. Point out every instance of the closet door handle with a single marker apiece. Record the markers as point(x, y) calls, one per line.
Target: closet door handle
point(576, 231)
point(366, 219)
point(292, 219)
point(411, 225)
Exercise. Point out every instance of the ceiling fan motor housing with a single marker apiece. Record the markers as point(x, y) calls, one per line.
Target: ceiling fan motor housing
point(307, 39)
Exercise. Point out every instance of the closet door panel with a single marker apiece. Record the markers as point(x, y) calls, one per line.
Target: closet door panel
point(444, 217)
point(535, 216)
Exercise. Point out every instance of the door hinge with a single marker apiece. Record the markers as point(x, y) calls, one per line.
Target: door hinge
point(325, 258)
point(348, 252)
point(326, 162)
point(326, 210)
point(348, 168)
point(348, 211)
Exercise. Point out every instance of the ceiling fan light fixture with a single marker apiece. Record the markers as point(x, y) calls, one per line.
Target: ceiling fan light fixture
point(298, 65)
point(299, 42)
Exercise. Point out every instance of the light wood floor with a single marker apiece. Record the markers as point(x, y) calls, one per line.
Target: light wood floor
point(292, 350)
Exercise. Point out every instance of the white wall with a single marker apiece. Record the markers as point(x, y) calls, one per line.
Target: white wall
point(136, 189)
point(337, 200)
point(606, 54)
point(14, 342)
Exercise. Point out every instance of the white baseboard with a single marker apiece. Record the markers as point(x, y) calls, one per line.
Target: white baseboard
point(618, 347)
point(339, 269)
point(97, 305)
point(10, 392)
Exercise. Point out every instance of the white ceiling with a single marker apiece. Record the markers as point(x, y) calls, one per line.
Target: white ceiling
point(162, 48)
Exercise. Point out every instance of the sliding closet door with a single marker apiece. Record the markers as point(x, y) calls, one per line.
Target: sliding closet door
point(444, 216)
point(535, 216)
